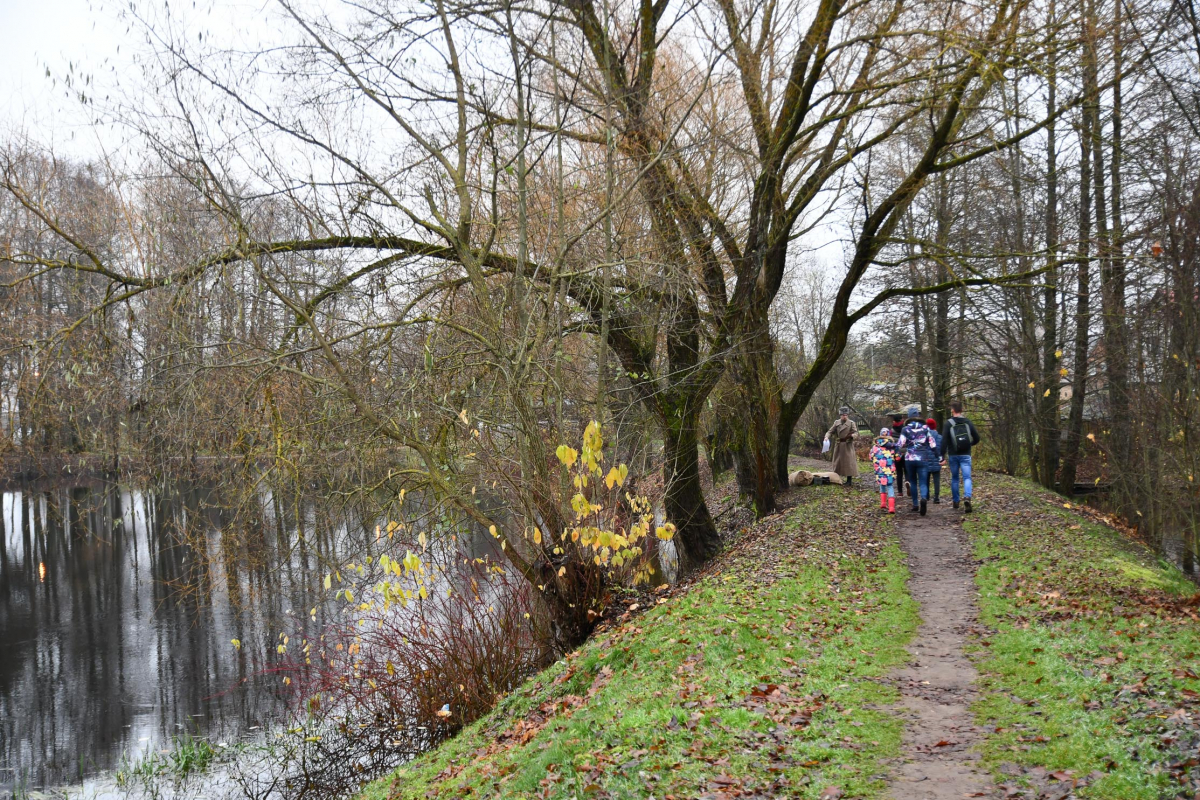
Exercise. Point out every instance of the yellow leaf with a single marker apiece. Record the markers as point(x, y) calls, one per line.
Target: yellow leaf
point(1031, 384)
point(421, 538)
point(424, 594)
point(328, 580)
point(592, 438)
point(562, 571)
point(537, 535)
point(567, 455)
point(1058, 353)
point(1091, 436)
point(1047, 394)
point(612, 478)
point(463, 416)
point(1063, 372)
point(236, 643)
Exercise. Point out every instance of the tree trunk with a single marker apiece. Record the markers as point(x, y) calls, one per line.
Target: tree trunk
point(1116, 341)
point(941, 325)
point(1048, 414)
point(1082, 311)
point(789, 415)
point(760, 391)
point(696, 538)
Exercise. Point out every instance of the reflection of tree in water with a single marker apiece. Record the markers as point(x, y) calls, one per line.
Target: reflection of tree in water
point(117, 608)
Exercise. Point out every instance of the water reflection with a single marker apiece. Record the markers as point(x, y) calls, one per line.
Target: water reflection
point(117, 608)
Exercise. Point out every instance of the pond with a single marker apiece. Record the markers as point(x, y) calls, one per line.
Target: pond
point(118, 607)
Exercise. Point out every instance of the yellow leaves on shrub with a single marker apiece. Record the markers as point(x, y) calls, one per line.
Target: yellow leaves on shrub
point(596, 533)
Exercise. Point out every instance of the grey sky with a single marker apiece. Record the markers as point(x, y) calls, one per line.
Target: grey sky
point(40, 34)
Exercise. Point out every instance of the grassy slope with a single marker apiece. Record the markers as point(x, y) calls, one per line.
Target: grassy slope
point(682, 700)
point(1088, 668)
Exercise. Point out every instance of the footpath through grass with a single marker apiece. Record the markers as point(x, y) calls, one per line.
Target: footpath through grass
point(756, 681)
point(1090, 673)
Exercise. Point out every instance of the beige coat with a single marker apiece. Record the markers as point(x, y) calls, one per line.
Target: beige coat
point(841, 435)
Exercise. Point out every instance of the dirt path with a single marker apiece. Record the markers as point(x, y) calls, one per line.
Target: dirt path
point(937, 686)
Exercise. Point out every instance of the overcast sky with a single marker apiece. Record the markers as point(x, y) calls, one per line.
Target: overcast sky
point(36, 35)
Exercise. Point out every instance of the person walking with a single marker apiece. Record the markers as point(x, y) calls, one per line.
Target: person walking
point(883, 459)
point(960, 436)
point(897, 427)
point(935, 464)
point(917, 443)
point(842, 433)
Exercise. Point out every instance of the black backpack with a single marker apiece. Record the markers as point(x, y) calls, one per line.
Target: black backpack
point(960, 435)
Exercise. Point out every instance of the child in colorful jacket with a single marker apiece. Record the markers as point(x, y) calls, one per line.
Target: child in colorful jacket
point(883, 458)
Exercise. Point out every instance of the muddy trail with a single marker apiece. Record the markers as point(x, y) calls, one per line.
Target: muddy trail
point(937, 686)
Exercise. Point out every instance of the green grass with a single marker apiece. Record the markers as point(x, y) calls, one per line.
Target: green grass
point(1086, 665)
point(814, 603)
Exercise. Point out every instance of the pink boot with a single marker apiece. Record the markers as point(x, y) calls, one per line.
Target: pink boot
point(882, 501)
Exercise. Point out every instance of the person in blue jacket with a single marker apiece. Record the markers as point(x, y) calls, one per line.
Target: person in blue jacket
point(917, 443)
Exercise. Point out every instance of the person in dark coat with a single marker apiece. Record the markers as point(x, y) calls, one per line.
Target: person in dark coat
point(897, 427)
point(934, 463)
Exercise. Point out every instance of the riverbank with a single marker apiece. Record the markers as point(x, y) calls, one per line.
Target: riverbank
point(760, 678)
point(1089, 660)
point(777, 672)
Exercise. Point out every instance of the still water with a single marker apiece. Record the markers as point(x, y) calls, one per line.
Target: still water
point(117, 611)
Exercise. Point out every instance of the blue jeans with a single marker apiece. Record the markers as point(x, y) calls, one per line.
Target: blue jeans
point(960, 464)
point(935, 474)
point(917, 472)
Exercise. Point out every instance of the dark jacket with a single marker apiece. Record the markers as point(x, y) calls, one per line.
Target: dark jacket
point(948, 447)
point(931, 458)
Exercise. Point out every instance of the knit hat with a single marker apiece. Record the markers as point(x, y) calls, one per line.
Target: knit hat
point(914, 413)
point(931, 422)
point(885, 433)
